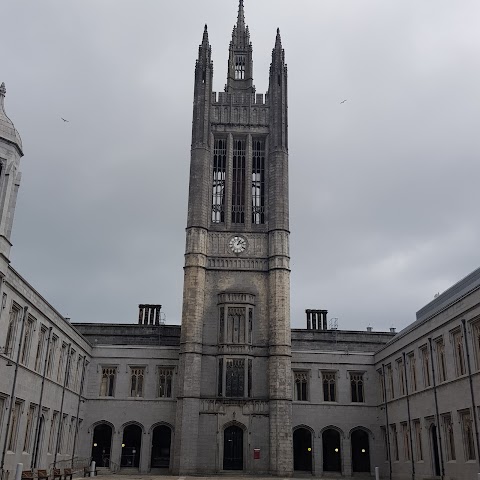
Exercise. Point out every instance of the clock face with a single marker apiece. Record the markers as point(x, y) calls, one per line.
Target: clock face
point(237, 244)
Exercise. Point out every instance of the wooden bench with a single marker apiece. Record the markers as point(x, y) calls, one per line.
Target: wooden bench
point(27, 475)
point(67, 474)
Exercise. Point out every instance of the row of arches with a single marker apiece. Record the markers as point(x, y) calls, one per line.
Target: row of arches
point(303, 451)
point(131, 446)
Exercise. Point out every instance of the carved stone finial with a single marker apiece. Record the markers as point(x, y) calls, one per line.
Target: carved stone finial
point(3, 90)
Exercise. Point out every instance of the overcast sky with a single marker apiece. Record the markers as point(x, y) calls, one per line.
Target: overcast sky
point(384, 188)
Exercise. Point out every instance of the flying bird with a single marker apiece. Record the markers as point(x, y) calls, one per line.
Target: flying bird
point(64, 120)
point(343, 101)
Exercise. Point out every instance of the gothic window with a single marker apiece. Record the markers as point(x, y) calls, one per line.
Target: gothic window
point(240, 62)
point(329, 380)
point(27, 340)
point(29, 428)
point(137, 374)
point(235, 377)
point(218, 182)
point(390, 383)
point(476, 343)
point(61, 434)
point(382, 385)
point(69, 368)
point(460, 367)
point(401, 376)
point(406, 441)
point(441, 363)
point(467, 430)
point(15, 420)
point(426, 366)
point(356, 385)
point(301, 386)
point(249, 377)
point(237, 327)
point(418, 440)
point(386, 453)
point(165, 379)
point(394, 437)
point(12, 329)
point(258, 182)
point(220, 377)
point(413, 372)
point(78, 376)
point(238, 182)
point(40, 348)
point(107, 384)
point(52, 354)
point(53, 428)
point(449, 437)
point(61, 363)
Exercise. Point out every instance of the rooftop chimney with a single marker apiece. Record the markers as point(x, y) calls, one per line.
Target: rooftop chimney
point(149, 314)
point(392, 330)
point(316, 319)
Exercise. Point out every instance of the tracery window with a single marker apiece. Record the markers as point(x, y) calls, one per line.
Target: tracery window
point(61, 363)
point(413, 372)
point(301, 386)
point(240, 63)
point(258, 182)
point(52, 354)
point(449, 437)
point(406, 441)
point(12, 440)
point(329, 380)
point(218, 182)
point(238, 183)
point(459, 353)
point(236, 325)
point(476, 343)
point(418, 440)
point(235, 377)
point(165, 380)
point(53, 428)
point(357, 385)
point(393, 435)
point(12, 329)
point(468, 441)
point(390, 381)
point(107, 384)
point(40, 348)
point(386, 453)
point(426, 366)
point(441, 363)
point(27, 340)
point(137, 374)
point(401, 376)
point(29, 427)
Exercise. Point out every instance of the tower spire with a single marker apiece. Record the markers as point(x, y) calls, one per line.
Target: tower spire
point(241, 16)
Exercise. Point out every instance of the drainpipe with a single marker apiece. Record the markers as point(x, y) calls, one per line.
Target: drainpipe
point(78, 406)
point(442, 465)
point(475, 419)
point(60, 417)
point(37, 427)
point(408, 413)
point(12, 395)
point(387, 427)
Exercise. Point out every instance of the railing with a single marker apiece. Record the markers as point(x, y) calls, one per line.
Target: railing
point(75, 463)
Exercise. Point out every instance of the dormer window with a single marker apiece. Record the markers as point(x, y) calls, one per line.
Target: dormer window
point(240, 62)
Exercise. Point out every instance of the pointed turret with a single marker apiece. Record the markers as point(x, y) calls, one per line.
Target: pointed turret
point(240, 62)
point(7, 129)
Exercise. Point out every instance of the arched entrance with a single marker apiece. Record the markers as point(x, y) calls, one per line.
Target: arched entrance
point(435, 457)
point(131, 446)
point(161, 440)
point(233, 448)
point(302, 450)
point(360, 451)
point(332, 455)
point(102, 445)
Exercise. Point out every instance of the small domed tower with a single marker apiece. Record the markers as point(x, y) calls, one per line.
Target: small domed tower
point(11, 151)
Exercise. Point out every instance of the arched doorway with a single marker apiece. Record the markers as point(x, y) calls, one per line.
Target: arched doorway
point(302, 450)
point(332, 455)
point(131, 445)
point(360, 451)
point(435, 457)
point(233, 448)
point(161, 440)
point(102, 445)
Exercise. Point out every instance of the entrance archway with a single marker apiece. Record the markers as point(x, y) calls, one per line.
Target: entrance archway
point(302, 450)
point(435, 457)
point(332, 455)
point(360, 451)
point(233, 448)
point(102, 445)
point(131, 446)
point(161, 441)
